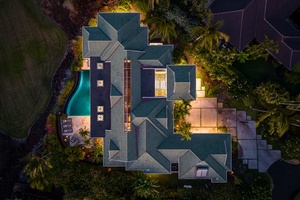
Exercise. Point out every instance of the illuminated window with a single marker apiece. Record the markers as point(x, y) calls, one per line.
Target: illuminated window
point(160, 82)
point(100, 83)
point(100, 118)
point(127, 96)
point(100, 108)
point(201, 171)
point(99, 65)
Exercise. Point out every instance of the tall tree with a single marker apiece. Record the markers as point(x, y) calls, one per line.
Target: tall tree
point(184, 130)
point(160, 26)
point(83, 132)
point(35, 168)
point(144, 187)
point(75, 153)
point(209, 35)
point(272, 93)
point(278, 121)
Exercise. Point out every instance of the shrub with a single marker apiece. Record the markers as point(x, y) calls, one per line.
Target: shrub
point(51, 123)
point(64, 93)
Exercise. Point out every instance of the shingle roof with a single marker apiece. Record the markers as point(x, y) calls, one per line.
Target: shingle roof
point(249, 19)
point(227, 6)
point(181, 82)
point(143, 146)
point(213, 149)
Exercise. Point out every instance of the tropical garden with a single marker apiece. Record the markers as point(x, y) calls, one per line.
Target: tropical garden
point(269, 94)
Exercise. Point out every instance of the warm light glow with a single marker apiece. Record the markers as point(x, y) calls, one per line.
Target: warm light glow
point(100, 83)
point(160, 83)
point(100, 109)
point(127, 95)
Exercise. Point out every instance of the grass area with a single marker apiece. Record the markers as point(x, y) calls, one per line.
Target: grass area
point(31, 49)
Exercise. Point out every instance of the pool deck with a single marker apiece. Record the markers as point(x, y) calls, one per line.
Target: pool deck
point(77, 123)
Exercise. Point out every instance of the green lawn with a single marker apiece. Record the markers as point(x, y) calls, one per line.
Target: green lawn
point(31, 48)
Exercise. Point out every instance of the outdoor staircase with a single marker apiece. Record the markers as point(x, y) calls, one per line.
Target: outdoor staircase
point(207, 115)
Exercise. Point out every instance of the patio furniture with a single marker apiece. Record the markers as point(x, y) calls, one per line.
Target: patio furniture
point(73, 139)
point(68, 125)
point(68, 120)
point(68, 130)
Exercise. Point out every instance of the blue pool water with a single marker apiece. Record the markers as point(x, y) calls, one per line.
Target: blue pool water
point(79, 104)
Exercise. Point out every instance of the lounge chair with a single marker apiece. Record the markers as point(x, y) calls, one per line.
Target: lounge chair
point(68, 120)
point(68, 130)
point(67, 125)
point(74, 139)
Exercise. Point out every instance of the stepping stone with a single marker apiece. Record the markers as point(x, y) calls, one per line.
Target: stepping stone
point(262, 144)
point(258, 137)
point(252, 164)
point(227, 117)
point(232, 131)
point(248, 117)
point(269, 146)
point(246, 130)
point(209, 117)
point(247, 149)
point(266, 158)
point(196, 130)
point(204, 103)
point(194, 117)
point(200, 94)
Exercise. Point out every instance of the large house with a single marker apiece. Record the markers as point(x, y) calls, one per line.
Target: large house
point(279, 20)
point(133, 88)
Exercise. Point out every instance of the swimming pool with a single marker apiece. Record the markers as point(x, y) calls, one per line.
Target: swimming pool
point(79, 104)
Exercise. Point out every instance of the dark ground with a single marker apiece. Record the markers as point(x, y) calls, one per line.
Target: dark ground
point(12, 150)
point(286, 180)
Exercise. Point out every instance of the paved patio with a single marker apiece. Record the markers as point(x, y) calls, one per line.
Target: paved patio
point(77, 123)
point(209, 116)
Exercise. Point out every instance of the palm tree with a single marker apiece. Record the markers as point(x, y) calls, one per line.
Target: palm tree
point(209, 34)
point(143, 186)
point(35, 168)
point(75, 153)
point(184, 130)
point(98, 153)
point(83, 132)
point(160, 26)
point(88, 142)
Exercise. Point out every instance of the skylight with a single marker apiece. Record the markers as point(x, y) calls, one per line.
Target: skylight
point(100, 83)
point(160, 82)
point(99, 65)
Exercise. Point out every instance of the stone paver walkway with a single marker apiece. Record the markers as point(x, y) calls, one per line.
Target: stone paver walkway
point(209, 116)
